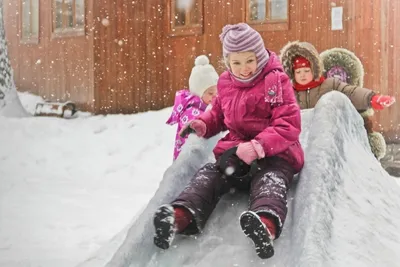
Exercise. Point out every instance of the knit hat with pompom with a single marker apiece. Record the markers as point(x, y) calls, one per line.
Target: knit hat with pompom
point(203, 76)
point(242, 38)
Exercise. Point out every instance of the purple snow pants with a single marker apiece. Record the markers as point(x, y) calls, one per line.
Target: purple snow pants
point(267, 188)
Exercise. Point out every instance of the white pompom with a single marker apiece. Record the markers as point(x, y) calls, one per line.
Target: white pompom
point(201, 60)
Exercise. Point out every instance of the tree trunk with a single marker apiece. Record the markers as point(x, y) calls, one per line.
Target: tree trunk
point(10, 105)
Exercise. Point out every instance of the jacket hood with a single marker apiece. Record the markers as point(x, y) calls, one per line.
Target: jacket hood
point(304, 49)
point(346, 60)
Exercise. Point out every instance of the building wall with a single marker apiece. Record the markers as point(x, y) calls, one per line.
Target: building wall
point(128, 61)
point(56, 68)
point(128, 55)
point(388, 120)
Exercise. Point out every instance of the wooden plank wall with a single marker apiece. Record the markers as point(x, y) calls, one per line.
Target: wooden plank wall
point(57, 69)
point(394, 68)
point(128, 56)
point(388, 120)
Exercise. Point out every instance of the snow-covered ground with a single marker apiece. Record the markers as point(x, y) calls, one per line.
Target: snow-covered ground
point(67, 187)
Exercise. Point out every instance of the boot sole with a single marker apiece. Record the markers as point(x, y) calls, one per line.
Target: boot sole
point(256, 231)
point(164, 225)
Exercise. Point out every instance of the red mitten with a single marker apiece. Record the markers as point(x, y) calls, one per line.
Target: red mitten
point(379, 102)
point(250, 151)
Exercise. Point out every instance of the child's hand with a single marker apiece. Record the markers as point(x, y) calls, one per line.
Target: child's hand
point(379, 102)
point(198, 126)
point(250, 151)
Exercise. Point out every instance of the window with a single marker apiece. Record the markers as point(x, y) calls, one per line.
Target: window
point(30, 21)
point(186, 17)
point(69, 17)
point(267, 15)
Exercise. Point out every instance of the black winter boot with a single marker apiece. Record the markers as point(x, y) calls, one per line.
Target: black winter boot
point(254, 228)
point(164, 223)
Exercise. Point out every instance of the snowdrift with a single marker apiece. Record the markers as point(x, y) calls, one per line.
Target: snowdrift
point(10, 104)
point(343, 207)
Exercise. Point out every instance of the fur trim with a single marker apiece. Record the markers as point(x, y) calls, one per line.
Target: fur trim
point(368, 113)
point(348, 61)
point(307, 50)
point(378, 144)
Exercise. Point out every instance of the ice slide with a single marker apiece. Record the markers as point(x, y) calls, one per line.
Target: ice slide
point(344, 209)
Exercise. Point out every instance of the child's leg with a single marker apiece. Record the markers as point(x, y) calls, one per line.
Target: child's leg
point(263, 223)
point(201, 196)
point(268, 191)
point(189, 212)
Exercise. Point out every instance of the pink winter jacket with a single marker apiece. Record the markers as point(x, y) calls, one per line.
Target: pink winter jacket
point(264, 109)
point(187, 107)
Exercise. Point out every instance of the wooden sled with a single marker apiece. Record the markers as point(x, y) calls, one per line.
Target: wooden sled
point(55, 109)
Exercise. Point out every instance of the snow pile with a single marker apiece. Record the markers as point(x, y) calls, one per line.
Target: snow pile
point(29, 101)
point(11, 106)
point(343, 208)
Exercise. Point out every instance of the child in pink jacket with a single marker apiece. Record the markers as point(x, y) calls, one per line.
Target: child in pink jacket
point(256, 103)
point(188, 105)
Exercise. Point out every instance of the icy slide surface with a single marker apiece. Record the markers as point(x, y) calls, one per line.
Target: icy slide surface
point(343, 207)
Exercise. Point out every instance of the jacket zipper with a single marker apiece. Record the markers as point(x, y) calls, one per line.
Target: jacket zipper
point(308, 98)
point(234, 105)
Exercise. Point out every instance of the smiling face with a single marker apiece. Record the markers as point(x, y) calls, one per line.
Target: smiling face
point(303, 75)
point(243, 64)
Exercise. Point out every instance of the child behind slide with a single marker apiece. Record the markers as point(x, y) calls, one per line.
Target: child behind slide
point(304, 66)
point(189, 104)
